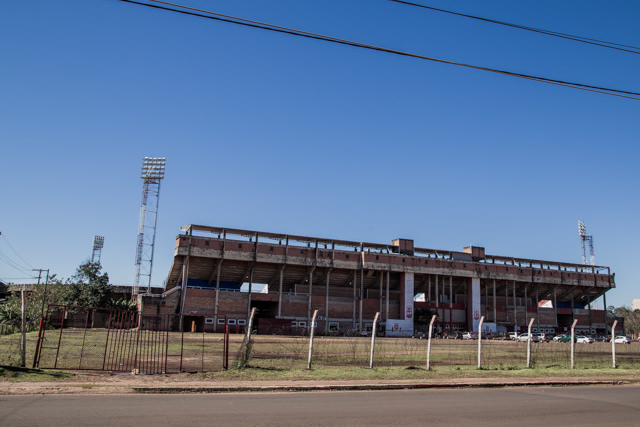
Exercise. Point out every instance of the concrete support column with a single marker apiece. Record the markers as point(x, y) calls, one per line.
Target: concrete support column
point(573, 315)
point(495, 314)
point(486, 301)
point(450, 302)
point(473, 303)
point(515, 308)
point(326, 303)
point(589, 308)
point(185, 282)
point(386, 316)
point(440, 318)
point(215, 307)
point(380, 293)
point(360, 325)
point(310, 296)
point(355, 296)
point(537, 305)
point(506, 302)
point(406, 302)
point(280, 291)
point(526, 307)
point(555, 304)
point(249, 294)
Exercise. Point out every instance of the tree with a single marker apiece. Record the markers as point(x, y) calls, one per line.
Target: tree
point(88, 287)
point(39, 296)
point(631, 319)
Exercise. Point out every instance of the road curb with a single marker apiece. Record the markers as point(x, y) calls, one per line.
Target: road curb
point(363, 387)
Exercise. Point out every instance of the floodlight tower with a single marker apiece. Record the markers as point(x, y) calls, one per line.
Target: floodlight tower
point(98, 244)
point(586, 239)
point(152, 174)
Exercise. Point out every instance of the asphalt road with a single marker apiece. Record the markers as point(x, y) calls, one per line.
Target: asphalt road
point(533, 406)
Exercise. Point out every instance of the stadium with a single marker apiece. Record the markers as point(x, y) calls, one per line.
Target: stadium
point(218, 275)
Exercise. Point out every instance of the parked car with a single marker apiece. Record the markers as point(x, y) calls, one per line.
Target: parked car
point(501, 336)
point(584, 339)
point(470, 336)
point(525, 337)
point(452, 335)
point(621, 339)
point(543, 337)
point(563, 338)
point(602, 338)
point(513, 336)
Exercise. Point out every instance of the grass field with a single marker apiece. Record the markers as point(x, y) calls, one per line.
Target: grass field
point(197, 352)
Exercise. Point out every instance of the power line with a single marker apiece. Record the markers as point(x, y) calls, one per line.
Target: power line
point(596, 42)
point(255, 24)
point(14, 251)
point(11, 263)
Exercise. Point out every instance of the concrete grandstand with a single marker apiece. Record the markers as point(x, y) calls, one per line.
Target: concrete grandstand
point(219, 274)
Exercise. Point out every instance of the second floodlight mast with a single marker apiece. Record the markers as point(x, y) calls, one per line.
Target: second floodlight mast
point(98, 244)
point(152, 174)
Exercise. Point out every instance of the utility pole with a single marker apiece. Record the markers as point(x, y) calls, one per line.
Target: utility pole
point(39, 270)
point(46, 282)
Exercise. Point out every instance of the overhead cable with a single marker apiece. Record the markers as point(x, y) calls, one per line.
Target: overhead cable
point(596, 42)
point(255, 24)
point(14, 250)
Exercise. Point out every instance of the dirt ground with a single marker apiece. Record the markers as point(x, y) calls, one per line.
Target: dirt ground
point(106, 383)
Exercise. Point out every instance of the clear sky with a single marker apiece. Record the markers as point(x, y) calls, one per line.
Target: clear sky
point(277, 133)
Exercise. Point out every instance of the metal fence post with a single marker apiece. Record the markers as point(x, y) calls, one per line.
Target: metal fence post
point(311, 334)
point(480, 342)
point(23, 330)
point(226, 346)
point(573, 337)
point(529, 342)
point(36, 354)
point(613, 343)
point(433, 319)
point(373, 338)
point(64, 314)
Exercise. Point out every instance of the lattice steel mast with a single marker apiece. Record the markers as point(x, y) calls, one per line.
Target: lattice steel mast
point(152, 174)
point(98, 244)
point(586, 240)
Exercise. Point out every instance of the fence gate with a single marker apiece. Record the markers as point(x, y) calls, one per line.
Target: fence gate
point(124, 341)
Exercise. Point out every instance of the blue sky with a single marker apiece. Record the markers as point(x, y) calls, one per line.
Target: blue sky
point(272, 132)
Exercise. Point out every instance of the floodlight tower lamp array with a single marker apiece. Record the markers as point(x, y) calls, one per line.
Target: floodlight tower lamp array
point(98, 244)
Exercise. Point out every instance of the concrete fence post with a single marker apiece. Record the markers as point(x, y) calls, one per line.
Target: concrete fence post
point(573, 339)
point(245, 352)
point(311, 334)
point(529, 342)
point(613, 343)
point(373, 338)
point(433, 319)
point(480, 342)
